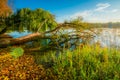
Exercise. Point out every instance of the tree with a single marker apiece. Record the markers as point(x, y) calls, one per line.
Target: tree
point(43, 27)
point(5, 10)
point(32, 20)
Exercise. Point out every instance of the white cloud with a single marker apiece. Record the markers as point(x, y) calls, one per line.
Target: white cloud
point(104, 17)
point(83, 14)
point(102, 6)
point(114, 10)
point(103, 12)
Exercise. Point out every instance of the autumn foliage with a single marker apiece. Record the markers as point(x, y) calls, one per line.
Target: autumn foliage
point(22, 68)
point(5, 10)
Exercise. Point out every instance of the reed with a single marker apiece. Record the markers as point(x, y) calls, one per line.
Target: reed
point(84, 63)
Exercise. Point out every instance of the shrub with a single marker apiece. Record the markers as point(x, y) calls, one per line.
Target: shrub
point(16, 52)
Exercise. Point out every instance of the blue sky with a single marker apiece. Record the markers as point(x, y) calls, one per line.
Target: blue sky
point(90, 10)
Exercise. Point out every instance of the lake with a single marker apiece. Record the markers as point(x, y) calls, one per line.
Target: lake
point(108, 37)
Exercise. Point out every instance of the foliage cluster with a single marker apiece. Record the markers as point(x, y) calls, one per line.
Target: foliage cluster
point(106, 25)
point(86, 63)
point(22, 68)
point(32, 20)
point(5, 10)
point(16, 52)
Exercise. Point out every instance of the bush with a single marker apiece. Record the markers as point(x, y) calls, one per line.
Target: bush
point(16, 52)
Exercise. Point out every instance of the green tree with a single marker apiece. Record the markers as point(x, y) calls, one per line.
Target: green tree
point(33, 20)
point(44, 28)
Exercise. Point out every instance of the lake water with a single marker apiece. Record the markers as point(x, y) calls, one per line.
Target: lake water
point(108, 37)
point(19, 34)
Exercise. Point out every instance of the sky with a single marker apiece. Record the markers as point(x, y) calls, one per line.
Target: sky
point(90, 10)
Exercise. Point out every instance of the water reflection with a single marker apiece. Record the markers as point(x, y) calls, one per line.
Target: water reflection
point(16, 34)
point(109, 37)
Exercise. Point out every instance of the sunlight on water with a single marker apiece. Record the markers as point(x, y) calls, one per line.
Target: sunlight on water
point(109, 37)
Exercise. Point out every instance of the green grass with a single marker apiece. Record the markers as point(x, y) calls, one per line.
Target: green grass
point(86, 63)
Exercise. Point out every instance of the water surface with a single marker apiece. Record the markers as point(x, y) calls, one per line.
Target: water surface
point(108, 37)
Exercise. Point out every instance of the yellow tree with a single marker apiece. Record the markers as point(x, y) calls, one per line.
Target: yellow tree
point(5, 10)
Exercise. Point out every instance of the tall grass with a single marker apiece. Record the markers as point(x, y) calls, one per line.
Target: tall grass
point(84, 63)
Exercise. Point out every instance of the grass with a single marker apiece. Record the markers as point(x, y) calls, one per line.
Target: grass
point(86, 63)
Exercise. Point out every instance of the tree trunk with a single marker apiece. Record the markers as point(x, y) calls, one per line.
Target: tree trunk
point(9, 42)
